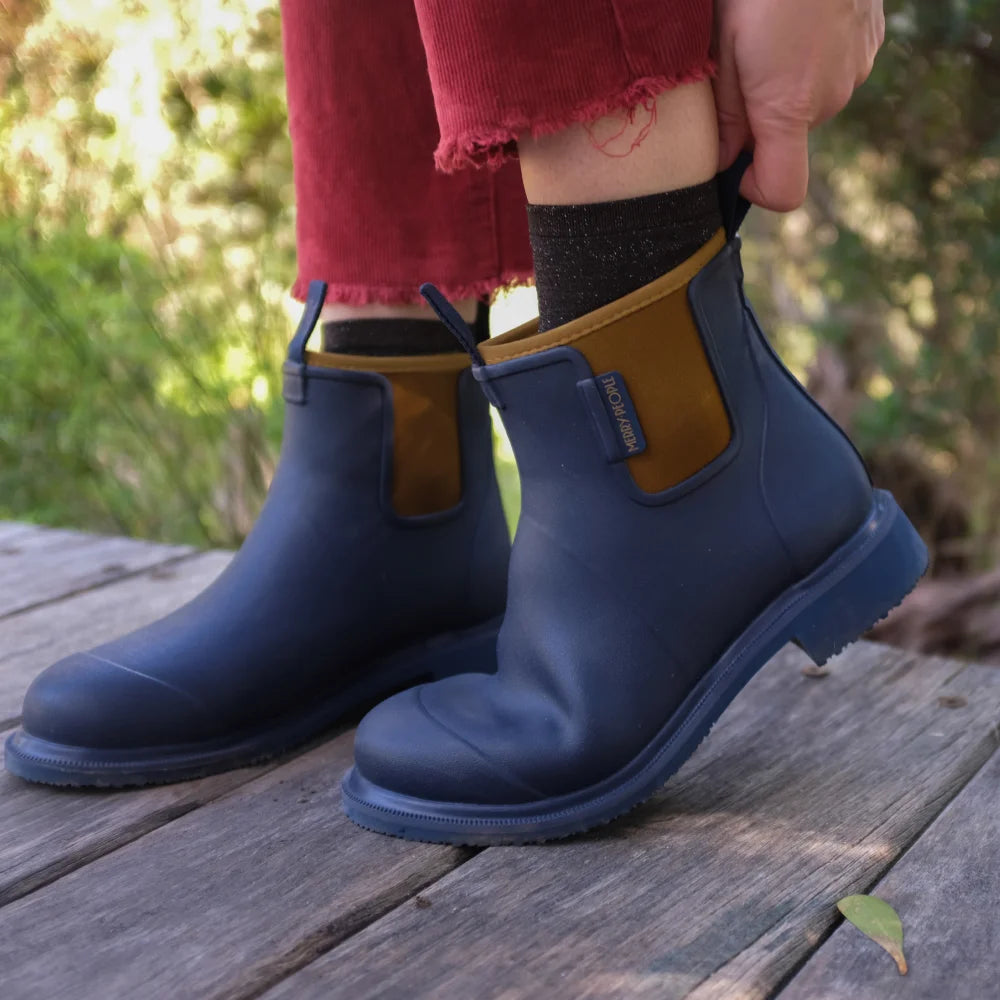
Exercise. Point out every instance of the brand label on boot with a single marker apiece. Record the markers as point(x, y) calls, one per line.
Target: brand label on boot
point(626, 432)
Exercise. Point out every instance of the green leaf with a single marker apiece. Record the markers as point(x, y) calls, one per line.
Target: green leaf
point(875, 918)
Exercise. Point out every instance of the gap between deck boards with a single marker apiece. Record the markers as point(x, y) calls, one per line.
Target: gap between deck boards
point(39, 565)
point(809, 791)
point(226, 901)
point(945, 890)
point(894, 863)
point(313, 950)
point(305, 950)
point(177, 801)
point(323, 941)
point(168, 562)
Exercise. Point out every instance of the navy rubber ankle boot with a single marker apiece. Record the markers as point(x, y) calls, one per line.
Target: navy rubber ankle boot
point(687, 510)
point(379, 559)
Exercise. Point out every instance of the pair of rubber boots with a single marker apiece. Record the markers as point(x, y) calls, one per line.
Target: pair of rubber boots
point(687, 510)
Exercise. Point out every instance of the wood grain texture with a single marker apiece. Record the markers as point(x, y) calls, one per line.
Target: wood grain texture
point(805, 792)
point(47, 832)
point(946, 889)
point(44, 564)
point(219, 903)
point(31, 640)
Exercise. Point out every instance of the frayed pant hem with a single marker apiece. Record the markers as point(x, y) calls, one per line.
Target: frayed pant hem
point(493, 146)
point(362, 295)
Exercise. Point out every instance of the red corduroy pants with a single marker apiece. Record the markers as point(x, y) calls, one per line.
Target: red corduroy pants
point(389, 98)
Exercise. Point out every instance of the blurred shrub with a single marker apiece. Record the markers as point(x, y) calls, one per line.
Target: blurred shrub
point(884, 288)
point(145, 249)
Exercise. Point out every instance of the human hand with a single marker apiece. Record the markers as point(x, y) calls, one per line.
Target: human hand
point(785, 66)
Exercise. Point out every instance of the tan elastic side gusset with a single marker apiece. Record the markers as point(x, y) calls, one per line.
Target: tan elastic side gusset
point(650, 337)
point(426, 452)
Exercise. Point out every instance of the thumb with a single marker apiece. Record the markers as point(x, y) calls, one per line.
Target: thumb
point(779, 175)
point(734, 129)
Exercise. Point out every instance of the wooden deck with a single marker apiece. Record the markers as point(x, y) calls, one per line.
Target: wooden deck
point(881, 777)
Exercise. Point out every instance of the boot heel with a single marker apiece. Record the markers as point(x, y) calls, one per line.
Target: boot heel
point(868, 590)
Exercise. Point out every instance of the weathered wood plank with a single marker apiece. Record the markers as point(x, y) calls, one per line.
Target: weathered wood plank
point(47, 832)
point(946, 889)
point(221, 902)
point(805, 792)
point(31, 640)
point(11, 530)
point(43, 564)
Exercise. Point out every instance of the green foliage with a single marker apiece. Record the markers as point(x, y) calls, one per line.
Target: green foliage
point(929, 139)
point(144, 295)
point(114, 419)
point(887, 281)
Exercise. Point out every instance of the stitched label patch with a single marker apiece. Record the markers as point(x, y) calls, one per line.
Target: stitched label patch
point(621, 413)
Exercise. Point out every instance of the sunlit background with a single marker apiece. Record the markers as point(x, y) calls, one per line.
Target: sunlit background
point(147, 245)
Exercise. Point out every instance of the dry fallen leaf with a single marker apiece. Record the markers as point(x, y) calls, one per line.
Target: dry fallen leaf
point(876, 919)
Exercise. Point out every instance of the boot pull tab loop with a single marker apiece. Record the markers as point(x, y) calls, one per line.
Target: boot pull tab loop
point(734, 206)
point(448, 315)
point(294, 371)
point(315, 298)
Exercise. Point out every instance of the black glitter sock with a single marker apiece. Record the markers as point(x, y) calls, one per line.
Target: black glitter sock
point(384, 337)
point(589, 255)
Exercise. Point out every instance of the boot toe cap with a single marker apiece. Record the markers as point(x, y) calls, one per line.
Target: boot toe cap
point(402, 747)
point(87, 700)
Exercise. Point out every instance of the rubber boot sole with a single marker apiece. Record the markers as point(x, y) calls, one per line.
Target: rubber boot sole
point(853, 589)
point(50, 763)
